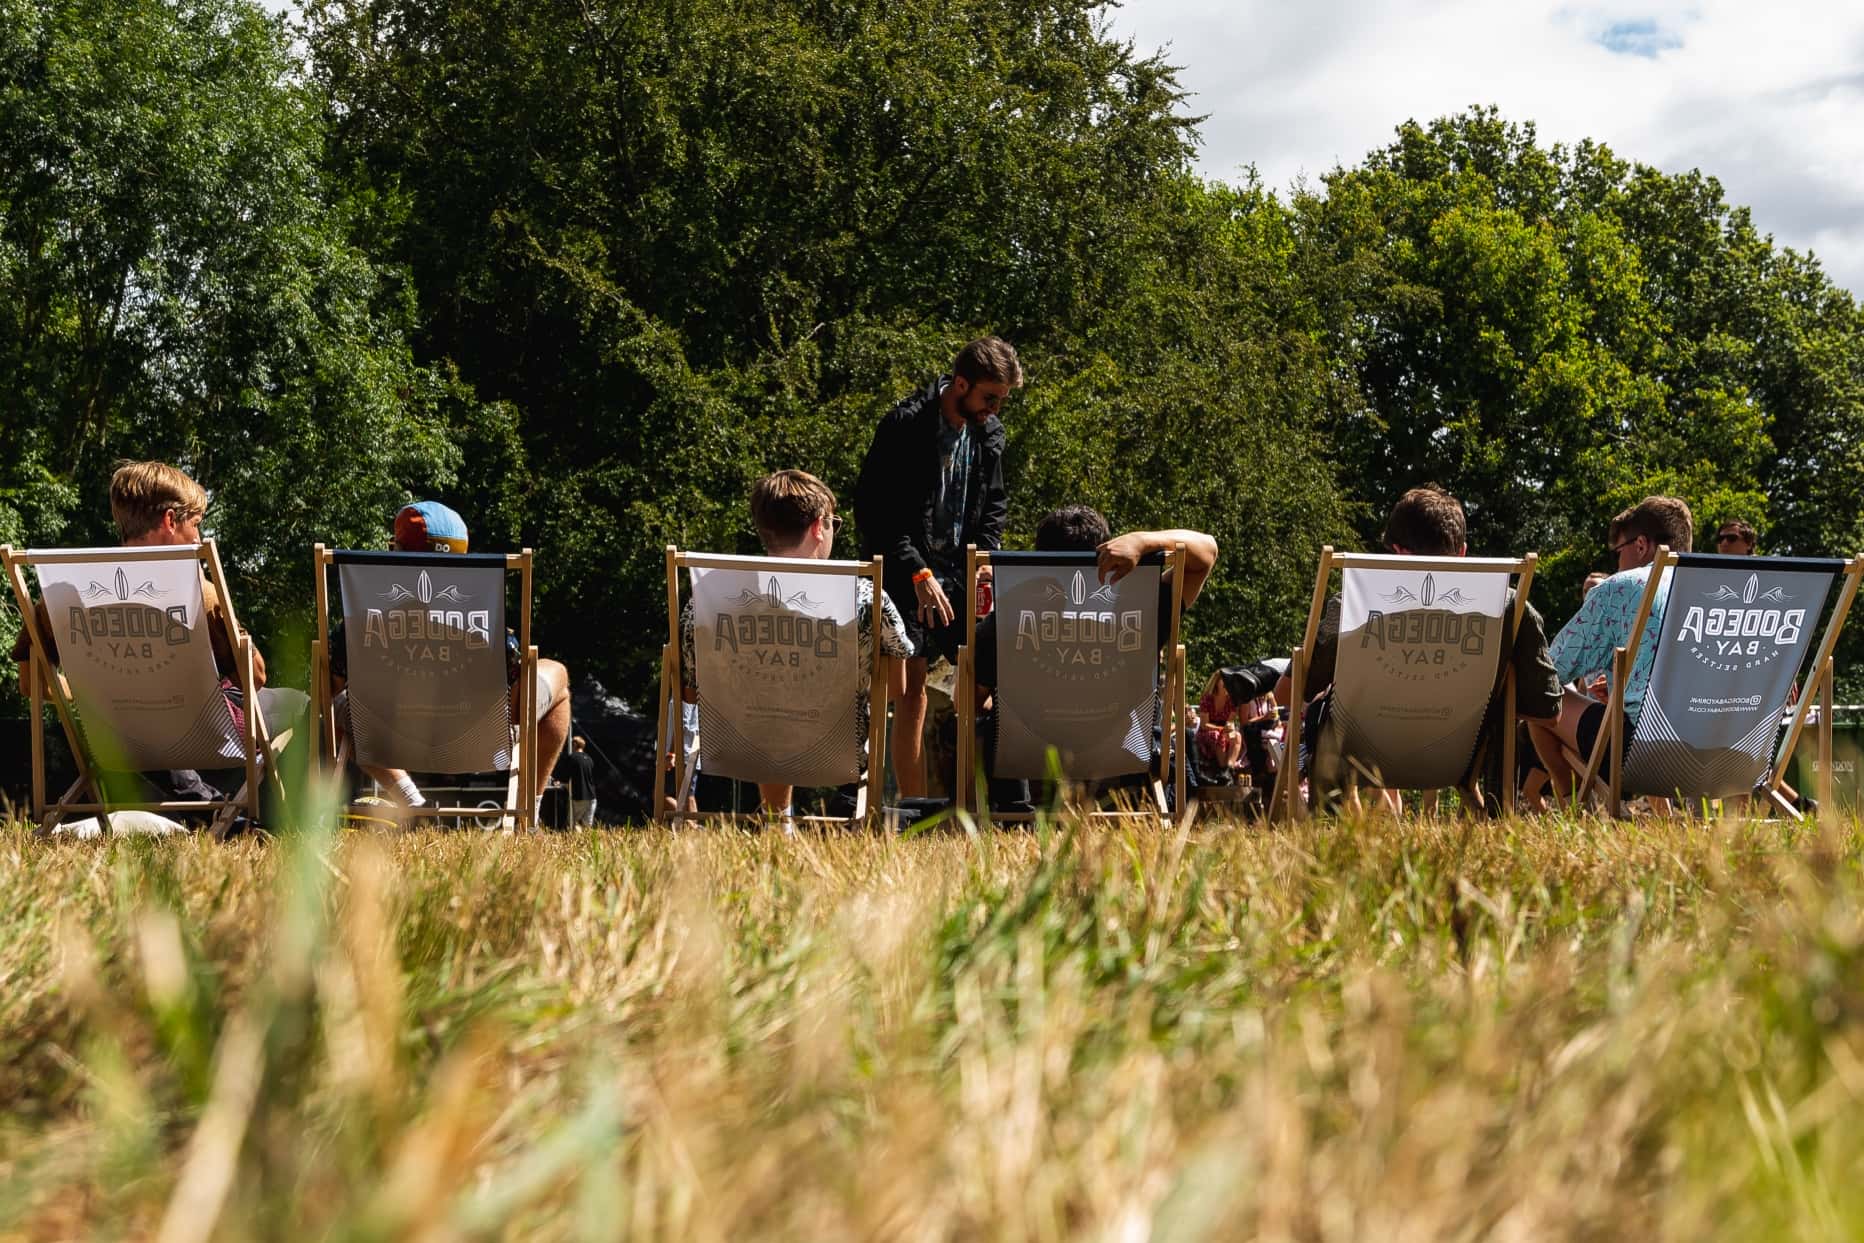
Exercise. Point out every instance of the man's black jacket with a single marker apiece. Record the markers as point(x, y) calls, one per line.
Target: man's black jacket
point(897, 492)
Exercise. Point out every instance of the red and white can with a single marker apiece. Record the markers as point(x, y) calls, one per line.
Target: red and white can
point(986, 599)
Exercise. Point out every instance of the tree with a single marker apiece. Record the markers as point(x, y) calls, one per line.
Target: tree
point(176, 282)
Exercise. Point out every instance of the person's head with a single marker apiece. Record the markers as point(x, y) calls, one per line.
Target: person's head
point(1735, 537)
point(794, 513)
point(155, 503)
point(1427, 522)
point(429, 526)
point(1592, 580)
point(1637, 533)
point(579, 743)
point(1072, 528)
point(982, 375)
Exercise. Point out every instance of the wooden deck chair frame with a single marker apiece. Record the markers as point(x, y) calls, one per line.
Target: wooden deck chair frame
point(1174, 737)
point(667, 734)
point(46, 682)
point(520, 779)
point(1613, 738)
point(1285, 801)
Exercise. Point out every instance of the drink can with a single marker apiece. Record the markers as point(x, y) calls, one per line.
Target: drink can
point(986, 599)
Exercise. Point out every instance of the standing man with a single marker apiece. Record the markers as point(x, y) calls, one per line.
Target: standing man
point(578, 768)
point(933, 483)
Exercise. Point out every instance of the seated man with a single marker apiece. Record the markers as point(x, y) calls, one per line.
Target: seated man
point(1079, 528)
point(1426, 522)
point(1582, 651)
point(429, 526)
point(155, 505)
point(794, 513)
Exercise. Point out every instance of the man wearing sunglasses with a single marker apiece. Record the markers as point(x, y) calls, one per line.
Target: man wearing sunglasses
point(1582, 651)
point(931, 484)
point(1735, 538)
point(158, 505)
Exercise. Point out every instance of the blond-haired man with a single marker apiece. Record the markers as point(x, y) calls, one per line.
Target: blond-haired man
point(794, 513)
point(154, 505)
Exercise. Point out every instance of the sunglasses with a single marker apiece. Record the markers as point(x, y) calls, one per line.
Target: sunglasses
point(1730, 537)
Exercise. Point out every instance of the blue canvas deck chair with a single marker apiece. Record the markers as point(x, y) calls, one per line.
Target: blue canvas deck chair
point(778, 668)
point(1090, 676)
point(427, 689)
point(133, 677)
point(1423, 644)
point(1735, 636)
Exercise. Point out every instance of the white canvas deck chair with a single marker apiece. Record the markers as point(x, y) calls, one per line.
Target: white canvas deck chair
point(135, 684)
point(1078, 674)
point(1734, 638)
point(424, 645)
point(1422, 642)
point(777, 658)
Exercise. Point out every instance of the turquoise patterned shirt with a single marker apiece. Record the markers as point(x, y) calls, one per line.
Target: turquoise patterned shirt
point(1584, 645)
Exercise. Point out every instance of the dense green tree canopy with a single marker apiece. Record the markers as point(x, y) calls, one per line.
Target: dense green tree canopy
point(586, 271)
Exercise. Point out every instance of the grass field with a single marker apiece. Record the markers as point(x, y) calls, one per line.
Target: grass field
point(1364, 1031)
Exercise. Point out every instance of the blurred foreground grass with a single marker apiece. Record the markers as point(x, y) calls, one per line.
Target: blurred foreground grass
point(1529, 1030)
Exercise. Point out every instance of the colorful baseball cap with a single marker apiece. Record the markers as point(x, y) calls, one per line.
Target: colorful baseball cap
point(429, 526)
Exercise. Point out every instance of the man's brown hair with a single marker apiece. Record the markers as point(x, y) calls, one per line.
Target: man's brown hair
point(786, 504)
point(1427, 521)
point(989, 358)
point(1739, 526)
point(141, 492)
point(1659, 519)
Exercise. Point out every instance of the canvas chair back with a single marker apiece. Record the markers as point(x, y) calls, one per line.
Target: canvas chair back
point(1081, 668)
point(777, 654)
point(1422, 643)
point(1735, 636)
point(140, 689)
point(424, 639)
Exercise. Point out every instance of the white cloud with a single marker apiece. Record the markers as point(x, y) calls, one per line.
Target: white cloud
point(1768, 98)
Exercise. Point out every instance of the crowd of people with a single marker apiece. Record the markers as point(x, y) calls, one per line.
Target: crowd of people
point(932, 484)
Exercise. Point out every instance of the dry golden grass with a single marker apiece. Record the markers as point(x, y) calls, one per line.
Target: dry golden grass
point(1550, 1029)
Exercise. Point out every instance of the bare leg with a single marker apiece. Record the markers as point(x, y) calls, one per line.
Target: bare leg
point(1554, 737)
point(909, 721)
point(775, 799)
point(553, 727)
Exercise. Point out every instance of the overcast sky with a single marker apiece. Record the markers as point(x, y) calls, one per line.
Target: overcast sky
point(1769, 97)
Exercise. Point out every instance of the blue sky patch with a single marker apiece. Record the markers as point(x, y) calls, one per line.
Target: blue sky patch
point(1639, 38)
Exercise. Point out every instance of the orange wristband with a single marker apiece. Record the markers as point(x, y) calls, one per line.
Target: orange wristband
point(921, 577)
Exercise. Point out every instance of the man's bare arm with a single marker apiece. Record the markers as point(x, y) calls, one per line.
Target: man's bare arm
point(1119, 555)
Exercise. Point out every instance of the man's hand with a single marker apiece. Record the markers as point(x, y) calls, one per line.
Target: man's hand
point(1120, 555)
point(1600, 688)
point(934, 609)
point(986, 572)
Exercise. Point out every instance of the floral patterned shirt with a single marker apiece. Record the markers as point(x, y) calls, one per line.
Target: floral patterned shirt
point(1584, 646)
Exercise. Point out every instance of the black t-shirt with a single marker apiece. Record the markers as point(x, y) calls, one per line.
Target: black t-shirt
point(579, 772)
point(986, 656)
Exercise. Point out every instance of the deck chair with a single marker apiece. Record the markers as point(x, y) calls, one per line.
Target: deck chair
point(424, 642)
point(1733, 639)
point(1078, 675)
point(1422, 641)
point(778, 670)
point(135, 685)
